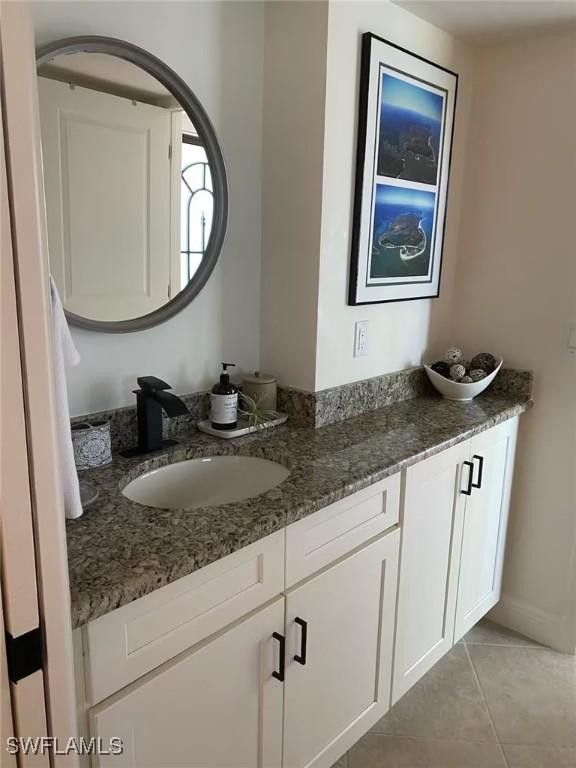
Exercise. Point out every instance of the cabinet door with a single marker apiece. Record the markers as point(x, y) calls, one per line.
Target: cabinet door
point(342, 685)
point(218, 706)
point(431, 521)
point(485, 523)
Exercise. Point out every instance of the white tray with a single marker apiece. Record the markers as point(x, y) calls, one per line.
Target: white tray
point(242, 427)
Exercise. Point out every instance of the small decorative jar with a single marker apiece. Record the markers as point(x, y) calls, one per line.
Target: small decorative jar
point(91, 443)
point(262, 388)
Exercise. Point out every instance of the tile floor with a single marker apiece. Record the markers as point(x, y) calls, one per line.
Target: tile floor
point(497, 700)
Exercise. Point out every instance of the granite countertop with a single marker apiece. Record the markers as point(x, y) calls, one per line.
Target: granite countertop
point(119, 550)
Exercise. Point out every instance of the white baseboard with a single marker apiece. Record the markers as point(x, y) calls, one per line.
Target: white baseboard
point(546, 628)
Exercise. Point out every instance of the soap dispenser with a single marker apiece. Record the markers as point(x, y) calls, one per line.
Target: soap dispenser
point(224, 401)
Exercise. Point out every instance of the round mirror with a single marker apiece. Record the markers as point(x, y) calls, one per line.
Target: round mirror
point(135, 184)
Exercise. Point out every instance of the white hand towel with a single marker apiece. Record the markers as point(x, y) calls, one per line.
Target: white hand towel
point(65, 356)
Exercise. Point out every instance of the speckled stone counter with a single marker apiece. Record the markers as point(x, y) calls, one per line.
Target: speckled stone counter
point(119, 550)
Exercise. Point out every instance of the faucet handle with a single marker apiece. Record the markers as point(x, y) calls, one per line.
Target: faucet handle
point(151, 384)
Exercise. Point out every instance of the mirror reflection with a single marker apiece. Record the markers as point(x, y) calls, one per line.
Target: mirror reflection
point(129, 195)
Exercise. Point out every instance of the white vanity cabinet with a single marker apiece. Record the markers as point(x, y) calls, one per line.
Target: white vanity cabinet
point(188, 679)
point(484, 526)
point(340, 634)
point(217, 706)
point(453, 522)
point(313, 684)
point(431, 533)
point(284, 653)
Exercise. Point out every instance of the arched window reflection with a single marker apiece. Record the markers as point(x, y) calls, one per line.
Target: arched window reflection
point(197, 204)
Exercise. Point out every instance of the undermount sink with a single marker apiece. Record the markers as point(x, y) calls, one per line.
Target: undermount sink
point(205, 482)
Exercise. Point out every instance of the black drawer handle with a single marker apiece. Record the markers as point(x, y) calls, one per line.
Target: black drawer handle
point(279, 675)
point(468, 490)
point(478, 484)
point(301, 657)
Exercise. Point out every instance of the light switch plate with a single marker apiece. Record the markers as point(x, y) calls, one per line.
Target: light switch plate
point(361, 338)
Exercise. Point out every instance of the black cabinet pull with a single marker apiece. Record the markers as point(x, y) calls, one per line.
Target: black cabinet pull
point(279, 675)
point(301, 657)
point(468, 490)
point(478, 484)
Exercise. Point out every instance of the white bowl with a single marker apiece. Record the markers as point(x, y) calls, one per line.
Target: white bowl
point(454, 390)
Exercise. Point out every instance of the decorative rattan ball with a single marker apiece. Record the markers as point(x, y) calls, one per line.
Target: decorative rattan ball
point(484, 360)
point(477, 374)
point(442, 368)
point(457, 371)
point(466, 380)
point(453, 355)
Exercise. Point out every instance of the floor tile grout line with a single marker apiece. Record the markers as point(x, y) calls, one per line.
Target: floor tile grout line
point(508, 645)
point(347, 760)
point(529, 645)
point(485, 700)
point(538, 746)
point(481, 691)
point(412, 737)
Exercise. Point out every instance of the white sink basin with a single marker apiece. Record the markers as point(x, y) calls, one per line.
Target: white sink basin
point(205, 482)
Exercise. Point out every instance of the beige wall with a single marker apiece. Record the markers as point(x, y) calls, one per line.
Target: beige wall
point(294, 84)
point(516, 293)
point(399, 333)
point(311, 75)
point(217, 47)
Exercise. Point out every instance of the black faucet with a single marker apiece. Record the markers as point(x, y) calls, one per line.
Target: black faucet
point(151, 400)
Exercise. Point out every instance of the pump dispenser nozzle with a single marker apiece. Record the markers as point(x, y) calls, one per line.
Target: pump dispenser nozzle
point(225, 376)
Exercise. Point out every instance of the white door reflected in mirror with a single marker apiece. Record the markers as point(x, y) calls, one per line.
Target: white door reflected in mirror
point(129, 195)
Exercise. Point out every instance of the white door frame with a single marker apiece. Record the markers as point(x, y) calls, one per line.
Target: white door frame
point(23, 700)
point(25, 187)
point(6, 720)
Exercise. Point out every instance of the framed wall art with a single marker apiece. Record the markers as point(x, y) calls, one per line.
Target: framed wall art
point(405, 131)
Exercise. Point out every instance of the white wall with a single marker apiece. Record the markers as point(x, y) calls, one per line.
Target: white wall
point(399, 333)
point(312, 67)
point(217, 47)
point(294, 83)
point(516, 293)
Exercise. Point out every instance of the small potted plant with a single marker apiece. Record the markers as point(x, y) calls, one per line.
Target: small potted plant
point(253, 411)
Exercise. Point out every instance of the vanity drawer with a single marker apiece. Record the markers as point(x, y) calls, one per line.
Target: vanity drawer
point(332, 532)
point(129, 642)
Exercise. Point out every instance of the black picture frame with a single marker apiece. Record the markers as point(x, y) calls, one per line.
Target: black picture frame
point(406, 121)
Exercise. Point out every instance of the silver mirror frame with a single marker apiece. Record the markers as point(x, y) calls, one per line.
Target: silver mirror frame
point(201, 121)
